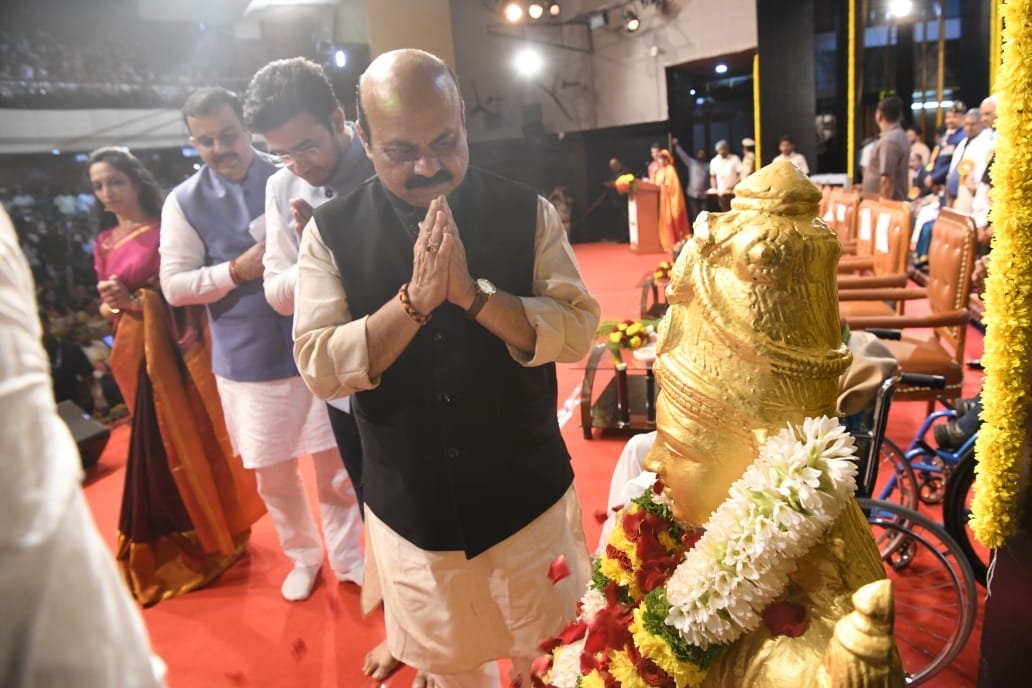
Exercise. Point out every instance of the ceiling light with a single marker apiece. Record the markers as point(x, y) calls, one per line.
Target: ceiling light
point(720, 68)
point(535, 10)
point(554, 9)
point(340, 58)
point(900, 8)
point(631, 22)
point(528, 62)
point(513, 12)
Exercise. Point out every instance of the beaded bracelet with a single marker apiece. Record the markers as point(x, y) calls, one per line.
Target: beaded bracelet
point(410, 310)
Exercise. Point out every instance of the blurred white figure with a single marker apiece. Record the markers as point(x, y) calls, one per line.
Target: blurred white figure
point(68, 619)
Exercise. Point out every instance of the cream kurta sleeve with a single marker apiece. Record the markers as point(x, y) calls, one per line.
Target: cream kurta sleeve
point(280, 259)
point(330, 348)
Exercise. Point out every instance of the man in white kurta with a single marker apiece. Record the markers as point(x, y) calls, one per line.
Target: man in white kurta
point(67, 618)
point(449, 612)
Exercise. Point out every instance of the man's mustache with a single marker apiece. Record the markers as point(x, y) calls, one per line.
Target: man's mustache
point(419, 182)
point(219, 159)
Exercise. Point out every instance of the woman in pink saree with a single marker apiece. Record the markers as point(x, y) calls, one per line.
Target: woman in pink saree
point(673, 213)
point(188, 504)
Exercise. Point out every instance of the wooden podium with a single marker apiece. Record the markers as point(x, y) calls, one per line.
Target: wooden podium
point(643, 218)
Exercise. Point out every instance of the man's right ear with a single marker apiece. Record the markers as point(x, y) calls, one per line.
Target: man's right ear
point(364, 139)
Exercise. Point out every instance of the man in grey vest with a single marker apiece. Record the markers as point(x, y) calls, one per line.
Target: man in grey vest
point(212, 245)
point(441, 296)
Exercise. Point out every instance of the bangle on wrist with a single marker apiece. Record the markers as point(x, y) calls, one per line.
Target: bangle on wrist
point(410, 310)
point(234, 272)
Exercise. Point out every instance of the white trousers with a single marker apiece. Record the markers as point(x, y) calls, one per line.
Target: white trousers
point(281, 488)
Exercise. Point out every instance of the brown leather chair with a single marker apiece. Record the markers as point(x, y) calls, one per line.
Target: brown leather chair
point(931, 344)
point(862, 258)
point(841, 216)
point(888, 233)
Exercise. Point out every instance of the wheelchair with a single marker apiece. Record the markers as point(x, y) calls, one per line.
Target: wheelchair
point(933, 581)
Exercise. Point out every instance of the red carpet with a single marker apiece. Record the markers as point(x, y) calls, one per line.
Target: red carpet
point(240, 632)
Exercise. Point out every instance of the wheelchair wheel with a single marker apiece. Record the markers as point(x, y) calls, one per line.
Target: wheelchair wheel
point(902, 487)
point(933, 586)
point(956, 510)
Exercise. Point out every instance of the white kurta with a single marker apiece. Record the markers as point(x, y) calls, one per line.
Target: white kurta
point(274, 421)
point(67, 618)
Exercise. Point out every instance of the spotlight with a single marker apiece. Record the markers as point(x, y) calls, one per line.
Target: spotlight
point(720, 68)
point(631, 22)
point(535, 10)
point(554, 9)
point(513, 12)
point(900, 8)
point(528, 62)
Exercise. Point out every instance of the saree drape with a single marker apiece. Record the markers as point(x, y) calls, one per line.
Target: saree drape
point(188, 502)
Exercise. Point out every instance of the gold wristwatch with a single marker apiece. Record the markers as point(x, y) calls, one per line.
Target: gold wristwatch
point(485, 290)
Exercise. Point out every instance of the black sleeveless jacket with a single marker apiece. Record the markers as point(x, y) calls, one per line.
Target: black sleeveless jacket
point(461, 444)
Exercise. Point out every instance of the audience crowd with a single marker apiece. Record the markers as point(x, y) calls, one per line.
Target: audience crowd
point(56, 236)
point(39, 70)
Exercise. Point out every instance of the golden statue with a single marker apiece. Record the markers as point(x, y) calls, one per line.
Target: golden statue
point(751, 342)
point(743, 563)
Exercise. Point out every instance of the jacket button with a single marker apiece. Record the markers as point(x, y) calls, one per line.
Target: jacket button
point(438, 337)
point(444, 398)
point(452, 452)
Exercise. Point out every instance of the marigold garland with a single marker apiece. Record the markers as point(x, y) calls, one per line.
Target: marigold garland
point(1008, 320)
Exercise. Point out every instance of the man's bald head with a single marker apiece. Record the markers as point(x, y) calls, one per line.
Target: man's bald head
point(402, 74)
point(413, 126)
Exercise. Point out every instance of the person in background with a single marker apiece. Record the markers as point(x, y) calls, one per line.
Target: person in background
point(887, 171)
point(186, 507)
point(698, 180)
point(917, 178)
point(67, 619)
point(969, 163)
point(71, 371)
point(212, 250)
point(787, 151)
point(748, 157)
point(469, 493)
point(673, 215)
point(942, 155)
point(653, 162)
point(924, 154)
point(615, 204)
point(725, 171)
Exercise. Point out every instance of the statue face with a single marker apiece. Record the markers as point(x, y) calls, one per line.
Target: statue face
point(697, 464)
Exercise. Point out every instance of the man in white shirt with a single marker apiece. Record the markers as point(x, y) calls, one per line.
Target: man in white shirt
point(68, 619)
point(786, 146)
point(725, 172)
point(969, 162)
point(292, 104)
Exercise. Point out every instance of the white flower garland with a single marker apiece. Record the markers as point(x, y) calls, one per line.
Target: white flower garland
point(774, 514)
point(566, 669)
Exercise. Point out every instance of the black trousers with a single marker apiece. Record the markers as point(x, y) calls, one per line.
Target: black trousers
point(345, 431)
